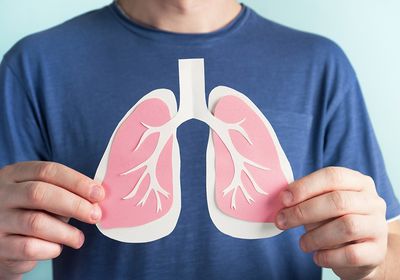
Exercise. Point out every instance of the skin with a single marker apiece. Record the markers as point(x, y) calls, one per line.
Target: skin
point(36, 201)
point(343, 216)
point(182, 16)
point(345, 224)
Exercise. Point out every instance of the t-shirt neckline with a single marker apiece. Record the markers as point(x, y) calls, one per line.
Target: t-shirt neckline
point(182, 38)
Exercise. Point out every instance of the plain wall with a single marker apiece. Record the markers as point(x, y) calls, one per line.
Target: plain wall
point(368, 31)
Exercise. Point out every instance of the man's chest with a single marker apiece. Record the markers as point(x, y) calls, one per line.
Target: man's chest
point(84, 113)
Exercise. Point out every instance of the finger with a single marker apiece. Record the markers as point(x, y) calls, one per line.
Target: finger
point(16, 247)
point(61, 218)
point(309, 227)
point(16, 267)
point(326, 180)
point(41, 225)
point(44, 196)
point(345, 229)
point(353, 255)
point(59, 175)
point(327, 206)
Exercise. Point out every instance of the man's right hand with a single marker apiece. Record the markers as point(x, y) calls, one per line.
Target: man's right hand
point(36, 201)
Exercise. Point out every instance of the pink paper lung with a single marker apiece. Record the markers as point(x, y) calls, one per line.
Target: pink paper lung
point(140, 169)
point(119, 212)
point(263, 150)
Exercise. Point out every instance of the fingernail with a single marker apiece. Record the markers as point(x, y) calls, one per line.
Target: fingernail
point(81, 239)
point(96, 213)
point(96, 193)
point(317, 259)
point(303, 245)
point(287, 198)
point(281, 220)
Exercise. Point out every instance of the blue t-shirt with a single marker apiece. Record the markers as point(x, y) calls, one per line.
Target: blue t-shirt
point(64, 90)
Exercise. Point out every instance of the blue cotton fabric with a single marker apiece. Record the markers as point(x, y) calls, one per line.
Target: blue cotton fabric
point(64, 90)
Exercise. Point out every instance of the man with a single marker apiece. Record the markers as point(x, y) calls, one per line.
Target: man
point(64, 90)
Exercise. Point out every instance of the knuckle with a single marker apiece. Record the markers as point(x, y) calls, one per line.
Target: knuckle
point(334, 175)
point(349, 226)
point(339, 201)
point(298, 212)
point(69, 236)
point(29, 249)
point(81, 186)
point(78, 207)
point(64, 236)
point(312, 242)
point(47, 170)
point(35, 223)
point(352, 255)
point(36, 193)
point(323, 259)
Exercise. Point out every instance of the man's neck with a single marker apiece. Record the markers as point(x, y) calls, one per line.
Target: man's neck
point(182, 16)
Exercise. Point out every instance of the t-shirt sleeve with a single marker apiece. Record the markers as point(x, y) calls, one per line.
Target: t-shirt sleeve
point(350, 142)
point(21, 134)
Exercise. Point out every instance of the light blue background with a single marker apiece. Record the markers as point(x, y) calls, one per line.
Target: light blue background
point(368, 31)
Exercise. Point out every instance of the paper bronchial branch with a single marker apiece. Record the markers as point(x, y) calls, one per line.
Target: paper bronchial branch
point(246, 167)
point(193, 105)
point(150, 165)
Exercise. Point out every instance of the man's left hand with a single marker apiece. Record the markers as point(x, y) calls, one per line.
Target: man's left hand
point(344, 219)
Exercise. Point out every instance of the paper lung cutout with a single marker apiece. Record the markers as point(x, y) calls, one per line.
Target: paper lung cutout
point(140, 169)
point(244, 180)
point(135, 210)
